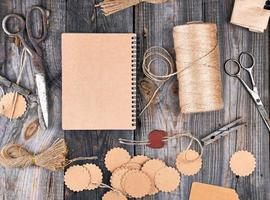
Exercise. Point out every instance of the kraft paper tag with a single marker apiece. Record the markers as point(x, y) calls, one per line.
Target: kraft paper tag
point(83, 177)
point(151, 167)
point(250, 14)
point(77, 178)
point(188, 162)
point(140, 159)
point(242, 163)
point(201, 191)
point(167, 179)
point(115, 158)
point(112, 195)
point(95, 174)
point(12, 107)
point(137, 184)
point(116, 178)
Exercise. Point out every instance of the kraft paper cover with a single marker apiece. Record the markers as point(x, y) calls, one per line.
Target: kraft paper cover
point(201, 191)
point(97, 81)
point(250, 14)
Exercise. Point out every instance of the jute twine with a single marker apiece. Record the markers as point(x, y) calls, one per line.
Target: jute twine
point(198, 67)
point(53, 158)
point(21, 68)
point(151, 55)
point(109, 7)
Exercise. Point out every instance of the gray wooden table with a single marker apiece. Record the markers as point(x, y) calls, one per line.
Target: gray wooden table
point(153, 24)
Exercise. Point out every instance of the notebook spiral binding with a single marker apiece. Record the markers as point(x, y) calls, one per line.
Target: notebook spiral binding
point(134, 79)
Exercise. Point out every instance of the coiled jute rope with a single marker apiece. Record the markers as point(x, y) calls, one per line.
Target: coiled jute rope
point(198, 67)
point(151, 55)
point(53, 158)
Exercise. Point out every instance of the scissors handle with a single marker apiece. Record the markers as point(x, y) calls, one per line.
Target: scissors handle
point(232, 63)
point(21, 30)
point(44, 16)
point(36, 40)
point(249, 56)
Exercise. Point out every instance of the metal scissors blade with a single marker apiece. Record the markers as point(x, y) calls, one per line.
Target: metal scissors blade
point(43, 99)
point(225, 130)
point(264, 116)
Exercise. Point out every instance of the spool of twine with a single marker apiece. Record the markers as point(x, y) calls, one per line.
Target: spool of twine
point(198, 67)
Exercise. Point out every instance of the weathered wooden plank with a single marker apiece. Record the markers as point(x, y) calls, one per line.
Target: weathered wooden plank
point(255, 137)
point(153, 23)
point(237, 102)
point(33, 182)
point(159, 21)
point(82, 17)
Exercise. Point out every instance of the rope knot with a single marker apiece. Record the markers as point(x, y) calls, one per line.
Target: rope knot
point(33, 160)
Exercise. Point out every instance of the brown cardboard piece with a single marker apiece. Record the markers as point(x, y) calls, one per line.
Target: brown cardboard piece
point(201, 191)
point(97, 78)
point(250, 14)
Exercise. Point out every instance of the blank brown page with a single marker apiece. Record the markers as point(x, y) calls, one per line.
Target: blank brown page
point(98, 81)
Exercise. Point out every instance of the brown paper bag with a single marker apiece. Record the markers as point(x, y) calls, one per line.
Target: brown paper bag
point(250, 14)
point(201, 191)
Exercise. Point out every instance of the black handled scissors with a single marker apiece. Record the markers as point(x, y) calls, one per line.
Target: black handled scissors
point(239, 66)
point(32, 45)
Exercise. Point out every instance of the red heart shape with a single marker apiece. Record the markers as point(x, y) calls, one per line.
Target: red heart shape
point(156, 139)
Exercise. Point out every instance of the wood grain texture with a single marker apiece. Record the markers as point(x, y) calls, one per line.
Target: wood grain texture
point(33, 182)
point(153, 24)
point(83, 17)
point(159, 21)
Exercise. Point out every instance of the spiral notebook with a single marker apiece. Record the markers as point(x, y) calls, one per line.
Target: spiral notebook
point(98, 81)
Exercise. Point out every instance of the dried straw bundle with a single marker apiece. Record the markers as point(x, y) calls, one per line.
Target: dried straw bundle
point(112, 6)
point(53, 158)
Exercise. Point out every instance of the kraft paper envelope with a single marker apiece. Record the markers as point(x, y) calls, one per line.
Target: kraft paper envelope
point(201, 191)
point(98, 83)
point(250, 14)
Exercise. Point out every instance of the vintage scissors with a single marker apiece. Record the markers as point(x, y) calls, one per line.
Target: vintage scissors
point(253, 91)
point(222, 132)
point(32, 45)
